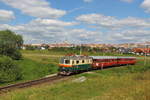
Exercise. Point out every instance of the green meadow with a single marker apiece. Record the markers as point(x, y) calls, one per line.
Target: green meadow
point(118, 83)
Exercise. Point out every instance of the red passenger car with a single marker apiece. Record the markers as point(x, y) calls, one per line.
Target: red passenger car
point(106, 61)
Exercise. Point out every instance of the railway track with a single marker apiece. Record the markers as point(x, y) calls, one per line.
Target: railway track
point(30, 83)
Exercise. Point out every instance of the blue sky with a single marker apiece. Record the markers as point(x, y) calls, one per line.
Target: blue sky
point(77, 21)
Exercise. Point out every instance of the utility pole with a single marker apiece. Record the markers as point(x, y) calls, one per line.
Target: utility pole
point(80, 49)
point(145, 57)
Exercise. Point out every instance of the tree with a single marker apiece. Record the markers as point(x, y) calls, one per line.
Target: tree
point(10, 43)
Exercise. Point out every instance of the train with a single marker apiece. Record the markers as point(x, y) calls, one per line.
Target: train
point(74, 64)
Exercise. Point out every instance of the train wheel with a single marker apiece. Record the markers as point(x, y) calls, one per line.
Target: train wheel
point(58, 74)
point(68, 73)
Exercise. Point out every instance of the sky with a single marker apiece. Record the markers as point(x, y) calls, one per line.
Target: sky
point(77, 21)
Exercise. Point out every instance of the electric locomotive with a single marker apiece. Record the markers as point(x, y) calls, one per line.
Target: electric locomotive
point(74, 64)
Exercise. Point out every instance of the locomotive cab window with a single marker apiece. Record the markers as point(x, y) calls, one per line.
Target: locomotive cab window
point(91, 60)
point(67, 61)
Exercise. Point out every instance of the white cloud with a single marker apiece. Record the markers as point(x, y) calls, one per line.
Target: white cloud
point(128, 1)
point(88, 1)
point(146, 5)
point(51, 22)
point(36, 8)
point(136, 35)
point(85, 36)
point(97, 19)
point(109, 22)
point(6, 15)
point(129, 29)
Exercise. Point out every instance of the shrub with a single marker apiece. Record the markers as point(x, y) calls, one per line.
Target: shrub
point(9, 71)
point(16, 55)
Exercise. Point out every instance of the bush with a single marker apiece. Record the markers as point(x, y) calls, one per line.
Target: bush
point(30, 47)
point(9, 71)
point(16, 55)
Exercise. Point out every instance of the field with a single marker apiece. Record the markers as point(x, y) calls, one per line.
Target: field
point(119, 83)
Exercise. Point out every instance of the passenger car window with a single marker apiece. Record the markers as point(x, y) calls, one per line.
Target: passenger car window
point(83, 61)
point(77, 62)
point(72, 62)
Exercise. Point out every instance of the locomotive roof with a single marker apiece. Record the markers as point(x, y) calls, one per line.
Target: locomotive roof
point(111, 57)
point(76, 57)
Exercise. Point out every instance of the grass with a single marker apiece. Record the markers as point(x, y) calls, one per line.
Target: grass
point(32, 69)
point(34, 66)
point(118, 83)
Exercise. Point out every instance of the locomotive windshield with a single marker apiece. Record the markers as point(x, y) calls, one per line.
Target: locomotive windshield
point(61, 61)
point(67, 61)
point(64, 61)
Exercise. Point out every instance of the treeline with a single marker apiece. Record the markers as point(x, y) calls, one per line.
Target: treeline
point(74, 49)
point(89, 49)
point(10, 43)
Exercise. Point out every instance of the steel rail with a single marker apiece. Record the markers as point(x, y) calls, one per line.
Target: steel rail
point(30, 83)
